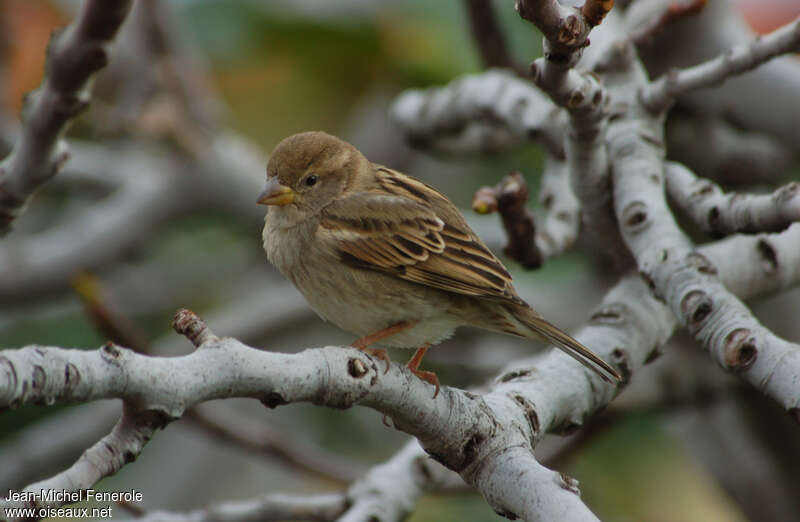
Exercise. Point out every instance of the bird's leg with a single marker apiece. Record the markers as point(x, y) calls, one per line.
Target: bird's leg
point(364, 342)
point(413, 364)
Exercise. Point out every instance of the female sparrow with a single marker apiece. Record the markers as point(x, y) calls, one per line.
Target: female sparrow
point(387, 257)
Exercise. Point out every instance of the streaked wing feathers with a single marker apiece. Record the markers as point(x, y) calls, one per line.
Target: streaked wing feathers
point(408, 229)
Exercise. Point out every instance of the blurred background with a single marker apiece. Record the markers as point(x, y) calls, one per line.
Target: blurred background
point(156, 211)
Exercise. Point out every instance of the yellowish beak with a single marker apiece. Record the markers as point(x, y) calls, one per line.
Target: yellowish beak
point(276, 194)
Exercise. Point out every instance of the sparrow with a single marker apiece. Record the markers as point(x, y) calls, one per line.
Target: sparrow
point(387, 257)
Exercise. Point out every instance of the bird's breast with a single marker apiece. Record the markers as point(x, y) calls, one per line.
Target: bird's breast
point(357, 300)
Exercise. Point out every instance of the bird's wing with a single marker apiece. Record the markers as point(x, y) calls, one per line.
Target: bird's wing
point(406, 228)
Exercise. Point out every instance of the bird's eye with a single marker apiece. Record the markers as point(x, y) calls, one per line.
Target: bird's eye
point(311, 180)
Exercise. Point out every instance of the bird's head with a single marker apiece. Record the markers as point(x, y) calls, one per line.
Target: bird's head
point(307, 171)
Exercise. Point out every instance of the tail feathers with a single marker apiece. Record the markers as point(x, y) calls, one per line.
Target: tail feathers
point(569, 345)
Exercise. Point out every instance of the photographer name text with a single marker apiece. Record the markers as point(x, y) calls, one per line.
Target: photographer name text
point(67, 496)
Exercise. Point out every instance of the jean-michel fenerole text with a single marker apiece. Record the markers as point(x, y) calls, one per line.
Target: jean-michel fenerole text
point(67, 496)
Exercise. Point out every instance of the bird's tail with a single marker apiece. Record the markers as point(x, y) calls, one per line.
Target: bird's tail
point(533, 321)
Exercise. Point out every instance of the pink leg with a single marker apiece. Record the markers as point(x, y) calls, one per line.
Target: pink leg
point(364, 342)
point(426, 376)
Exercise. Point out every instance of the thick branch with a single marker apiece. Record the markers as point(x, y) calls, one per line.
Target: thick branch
point(74, 56)
point(670, 13)
point(642, 325)
point(532, 395)
point(720, 214)
point(677, 272)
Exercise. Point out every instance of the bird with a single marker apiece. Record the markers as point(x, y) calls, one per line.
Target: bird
point(387, 257)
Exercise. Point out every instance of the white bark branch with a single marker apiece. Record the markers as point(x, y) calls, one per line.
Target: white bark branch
point(531, 395)
point(48, 259)
point(719, 27)
point(106, 457)
point(561, 225)
point(266, 508)
point(34, 453)
point(721, 214)
point(74, 56)
point(390, 490)
point(488, 111)
point(678, 273)
point(649, 331)
point(659, 94)
point(585, 100)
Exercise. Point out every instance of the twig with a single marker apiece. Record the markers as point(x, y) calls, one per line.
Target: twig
point(566, 29)
point(528, 244)
point(106, 320)
point(721, 214)
point(74, 56)
point(488, 36)
point(256, 438)
point(509, 198)
point(659, 94)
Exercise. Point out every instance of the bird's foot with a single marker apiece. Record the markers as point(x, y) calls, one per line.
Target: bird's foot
point(426, 376)
point(363, 343)
point(379, 353)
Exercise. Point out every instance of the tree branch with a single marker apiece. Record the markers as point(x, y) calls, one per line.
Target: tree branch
point(50, 258)
point(488, 111)
point(720, 214)
point(33, 453)
point(659, 94)
point(586, 101)
point(488, 36)
point(565, 28)
point(627, 328)
point(677, 272)
point(257, 438)
point(618, 313)
point(530, 245)
point(74, 56)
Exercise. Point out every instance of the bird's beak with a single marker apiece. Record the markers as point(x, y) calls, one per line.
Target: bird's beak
point(275, 194)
